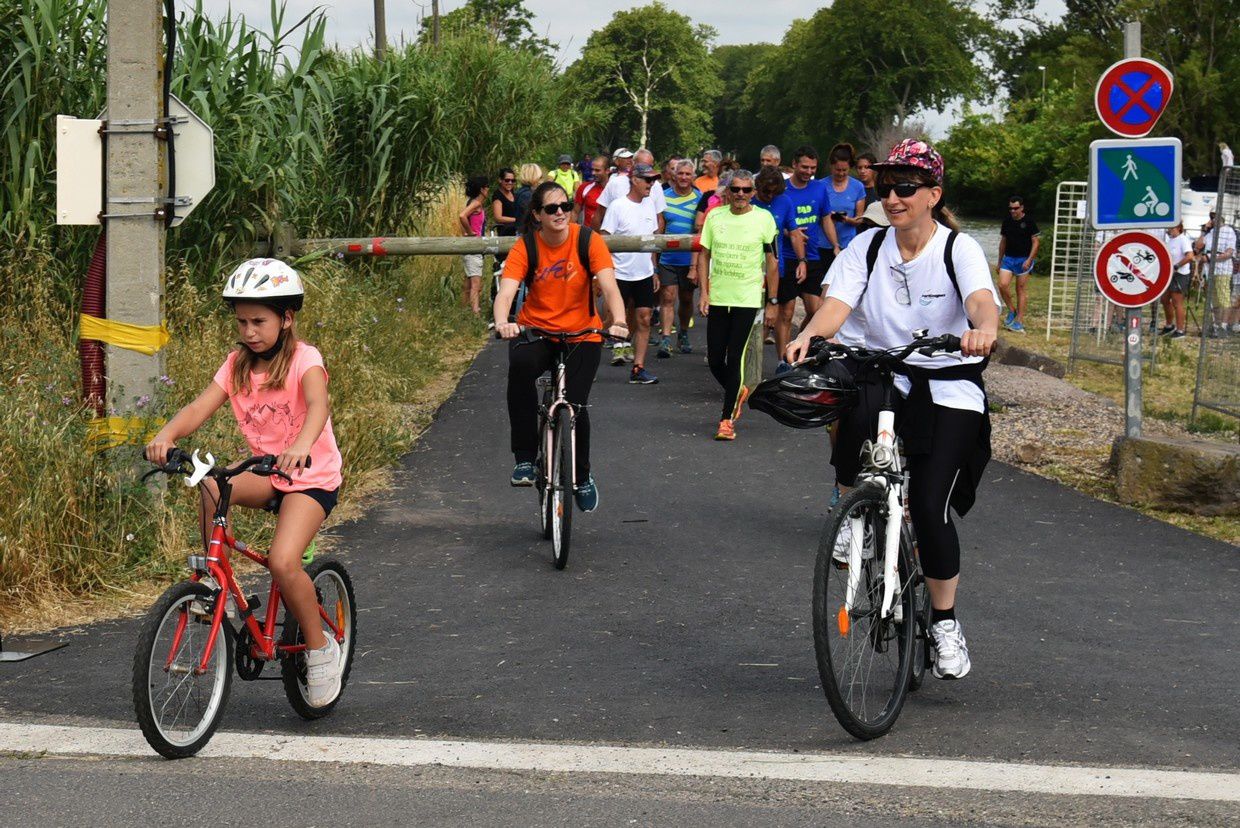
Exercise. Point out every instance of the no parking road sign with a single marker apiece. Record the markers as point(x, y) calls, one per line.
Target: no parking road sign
point(1131, 96)
point(1134, 184)
point(1133, 269)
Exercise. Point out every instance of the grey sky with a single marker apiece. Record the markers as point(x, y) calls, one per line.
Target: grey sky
point(567, 23)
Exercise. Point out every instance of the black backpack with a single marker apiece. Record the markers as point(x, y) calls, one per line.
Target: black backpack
point(583, 254)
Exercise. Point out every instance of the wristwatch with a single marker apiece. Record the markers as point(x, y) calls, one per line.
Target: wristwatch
point(801, 261)
point(772, 300)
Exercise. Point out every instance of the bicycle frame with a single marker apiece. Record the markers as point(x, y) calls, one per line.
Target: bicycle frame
point(549, 411)
point(882, 467)
point(216, 564)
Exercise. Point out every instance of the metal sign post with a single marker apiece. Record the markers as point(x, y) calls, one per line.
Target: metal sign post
point(1132, 341)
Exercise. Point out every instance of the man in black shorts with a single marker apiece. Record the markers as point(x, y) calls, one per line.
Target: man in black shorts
point(635, 215)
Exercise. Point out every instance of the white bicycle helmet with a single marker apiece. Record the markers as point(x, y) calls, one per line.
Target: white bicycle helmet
point(267, 281)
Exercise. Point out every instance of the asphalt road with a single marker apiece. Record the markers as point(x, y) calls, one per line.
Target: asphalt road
point(1098, 636)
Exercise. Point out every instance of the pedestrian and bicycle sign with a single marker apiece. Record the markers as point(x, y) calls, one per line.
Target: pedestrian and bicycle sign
point(1133, 269)
point(1131, 96)
point(1135, 183)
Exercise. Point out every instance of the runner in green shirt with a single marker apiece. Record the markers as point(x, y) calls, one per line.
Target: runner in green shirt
point(738, 261)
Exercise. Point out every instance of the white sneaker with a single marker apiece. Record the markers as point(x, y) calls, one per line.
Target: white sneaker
point(951, 656)
point(844, 539)
point(323, 674)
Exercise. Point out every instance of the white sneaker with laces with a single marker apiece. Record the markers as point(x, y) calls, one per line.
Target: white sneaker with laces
point(951, 656)
point(844, 538)
point(323, 674)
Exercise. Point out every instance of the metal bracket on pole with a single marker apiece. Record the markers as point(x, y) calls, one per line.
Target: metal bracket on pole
point(160, 126)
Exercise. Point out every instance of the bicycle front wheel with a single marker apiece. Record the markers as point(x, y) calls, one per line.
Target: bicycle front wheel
point(179, 705)
point(864, 660)
point(562, 489)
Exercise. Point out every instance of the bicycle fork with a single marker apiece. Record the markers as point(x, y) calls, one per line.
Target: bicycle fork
point(883, 457)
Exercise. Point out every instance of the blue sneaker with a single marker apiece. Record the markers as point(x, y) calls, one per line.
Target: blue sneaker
point(586, 495)
point(640, 376)
point(1011, 317)
point(835, 498)
point(782, 368)
point(1016, 327)
point(522, 474)
point(686, 347)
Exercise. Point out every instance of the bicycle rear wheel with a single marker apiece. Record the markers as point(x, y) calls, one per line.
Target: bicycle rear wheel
point(562, 489)
point(179, 707)
point(864, 661)
point(334, 589)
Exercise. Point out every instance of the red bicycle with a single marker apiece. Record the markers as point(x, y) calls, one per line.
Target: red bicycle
point(188, 649)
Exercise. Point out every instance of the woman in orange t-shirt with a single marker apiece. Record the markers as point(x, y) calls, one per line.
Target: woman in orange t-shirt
point(559, 299)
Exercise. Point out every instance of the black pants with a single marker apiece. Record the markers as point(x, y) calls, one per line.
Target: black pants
point(527, 361)
point(727, 332)
point(932, 476)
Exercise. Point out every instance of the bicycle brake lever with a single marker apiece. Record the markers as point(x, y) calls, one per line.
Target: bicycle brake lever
point(200, 469)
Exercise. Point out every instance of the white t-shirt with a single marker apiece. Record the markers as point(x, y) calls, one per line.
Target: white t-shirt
point(1226, 241)
point(880, 320)
point(626, 217)
point(618, 187)
point(1179, 247)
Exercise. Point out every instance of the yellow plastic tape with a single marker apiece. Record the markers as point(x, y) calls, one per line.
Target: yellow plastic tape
point(110, 432)
point(145, 339)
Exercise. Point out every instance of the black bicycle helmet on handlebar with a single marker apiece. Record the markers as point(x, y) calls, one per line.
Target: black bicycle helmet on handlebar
point(811, 395)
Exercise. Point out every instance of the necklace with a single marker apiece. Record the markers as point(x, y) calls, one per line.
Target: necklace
point(906, 259)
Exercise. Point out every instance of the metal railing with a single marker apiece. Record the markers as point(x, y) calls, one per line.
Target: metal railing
point(1218, 360)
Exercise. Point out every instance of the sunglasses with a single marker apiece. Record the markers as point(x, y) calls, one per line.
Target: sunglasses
point(905, 189)
point(562, 207)
point(741, 189)
point(649, 179)
point(508, 181)
point(902, 292)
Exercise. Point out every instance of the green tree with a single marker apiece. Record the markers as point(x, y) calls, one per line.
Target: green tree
point(861, 65)
point(508, 21)
point(651, 69)
point(736, 131)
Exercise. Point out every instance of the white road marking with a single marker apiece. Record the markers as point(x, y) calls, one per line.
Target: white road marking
point(903, 771)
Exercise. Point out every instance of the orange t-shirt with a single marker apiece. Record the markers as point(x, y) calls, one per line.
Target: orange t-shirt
point(559, 298)
point(706, 184)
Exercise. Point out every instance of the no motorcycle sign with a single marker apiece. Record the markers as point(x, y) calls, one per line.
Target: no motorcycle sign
point(1133, 269)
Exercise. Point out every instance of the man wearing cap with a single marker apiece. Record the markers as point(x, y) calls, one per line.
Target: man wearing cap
point(565, 175)
point(618, 186)
point(634, 214)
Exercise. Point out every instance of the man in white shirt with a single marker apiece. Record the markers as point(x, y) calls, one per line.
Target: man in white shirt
point(1225, 288)
point(635, 214)
point(1181, 250)
point(618, 187)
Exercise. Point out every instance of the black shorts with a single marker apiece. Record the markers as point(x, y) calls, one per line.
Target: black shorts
point(789, 288)
point(639, 291)
point(1179, 282)
point(322, 497)
point(674, 275)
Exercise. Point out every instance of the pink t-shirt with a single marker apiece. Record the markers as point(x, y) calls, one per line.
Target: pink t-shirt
point(271, 420)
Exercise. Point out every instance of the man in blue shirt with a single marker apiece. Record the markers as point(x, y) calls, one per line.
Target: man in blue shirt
point(676, 277)
point(802, 233)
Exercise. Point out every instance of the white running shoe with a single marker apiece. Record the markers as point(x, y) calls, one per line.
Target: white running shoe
point(951, 656)
point(323, 674)
point(844, 538)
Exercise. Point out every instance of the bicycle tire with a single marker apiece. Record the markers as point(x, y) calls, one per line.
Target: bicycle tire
point(330, 579)
point(562, 489)
point(541, 479)
point(152, 697)
point(921, 635)
point(865, 707)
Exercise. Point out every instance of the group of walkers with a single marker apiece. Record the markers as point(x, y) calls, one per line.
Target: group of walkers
point(871, 257)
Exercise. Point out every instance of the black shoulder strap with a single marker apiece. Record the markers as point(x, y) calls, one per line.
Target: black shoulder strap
point(531, 257)
point(949, 263)
point(584, 237)
point(871, 256)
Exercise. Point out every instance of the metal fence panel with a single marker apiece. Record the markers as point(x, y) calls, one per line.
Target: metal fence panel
point(1070, 198)
point(1218, 362)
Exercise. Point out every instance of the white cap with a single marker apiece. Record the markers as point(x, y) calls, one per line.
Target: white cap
point(876, 214)
point(268, 281)
point(623, 152)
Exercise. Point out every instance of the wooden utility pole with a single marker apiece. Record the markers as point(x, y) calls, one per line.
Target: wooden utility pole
point(435, 22)
point(136, 188)
point(380, 30)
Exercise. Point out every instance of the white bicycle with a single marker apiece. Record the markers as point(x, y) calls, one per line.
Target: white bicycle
point(872, 609)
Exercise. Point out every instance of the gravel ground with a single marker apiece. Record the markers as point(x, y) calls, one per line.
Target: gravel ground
point(1040, 420)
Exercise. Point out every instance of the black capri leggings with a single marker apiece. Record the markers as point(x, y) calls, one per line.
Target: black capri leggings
point(727, 332)
point(932, 476)
point(527, 361)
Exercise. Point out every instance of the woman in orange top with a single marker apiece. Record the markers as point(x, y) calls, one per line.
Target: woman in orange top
point(559, 298)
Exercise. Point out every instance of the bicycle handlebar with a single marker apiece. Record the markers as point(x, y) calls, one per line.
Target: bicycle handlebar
point(925, 345)
point(264, 465)
point(565, 335)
